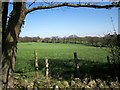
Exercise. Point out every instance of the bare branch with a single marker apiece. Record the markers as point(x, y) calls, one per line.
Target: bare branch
point(71, 5)
point(32, 3)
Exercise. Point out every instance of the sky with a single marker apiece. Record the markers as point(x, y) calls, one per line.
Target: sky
point(65, 21)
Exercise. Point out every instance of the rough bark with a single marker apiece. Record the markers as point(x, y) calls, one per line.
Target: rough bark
point(4, 15)
point(10, 38)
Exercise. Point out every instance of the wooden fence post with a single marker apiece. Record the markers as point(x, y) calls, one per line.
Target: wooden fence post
point(47, 70)
point(76, 60)
point(36, 64)
point(76, 63)
point(108, 59)
point(109, 67)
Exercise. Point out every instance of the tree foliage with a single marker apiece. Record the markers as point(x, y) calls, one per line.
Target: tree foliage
point(114, 45)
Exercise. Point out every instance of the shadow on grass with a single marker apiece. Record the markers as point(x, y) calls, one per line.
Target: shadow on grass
point(65, 69)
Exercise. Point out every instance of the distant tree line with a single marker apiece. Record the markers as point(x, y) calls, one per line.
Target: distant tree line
point(29, 39)
point(73, 39)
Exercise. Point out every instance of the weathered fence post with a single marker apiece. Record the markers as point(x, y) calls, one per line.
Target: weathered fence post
point(47, 70)
point(109, 65)
point(36, 64)
point(76, 63)
point(76, 60)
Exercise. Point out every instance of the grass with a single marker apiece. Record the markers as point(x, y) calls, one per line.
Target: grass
point(60, 58)
point(60, 51)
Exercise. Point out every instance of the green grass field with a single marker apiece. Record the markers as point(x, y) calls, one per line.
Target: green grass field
point(60, 51)
point(59, 55)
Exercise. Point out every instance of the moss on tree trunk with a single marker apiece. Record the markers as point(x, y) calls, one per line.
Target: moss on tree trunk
point(10, 38)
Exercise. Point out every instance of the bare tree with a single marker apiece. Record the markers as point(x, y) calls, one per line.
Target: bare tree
point(11, 28)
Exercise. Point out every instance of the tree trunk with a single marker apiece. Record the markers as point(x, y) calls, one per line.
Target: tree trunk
point(10, 38)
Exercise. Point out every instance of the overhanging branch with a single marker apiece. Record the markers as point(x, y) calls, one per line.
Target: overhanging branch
point(71, 5)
